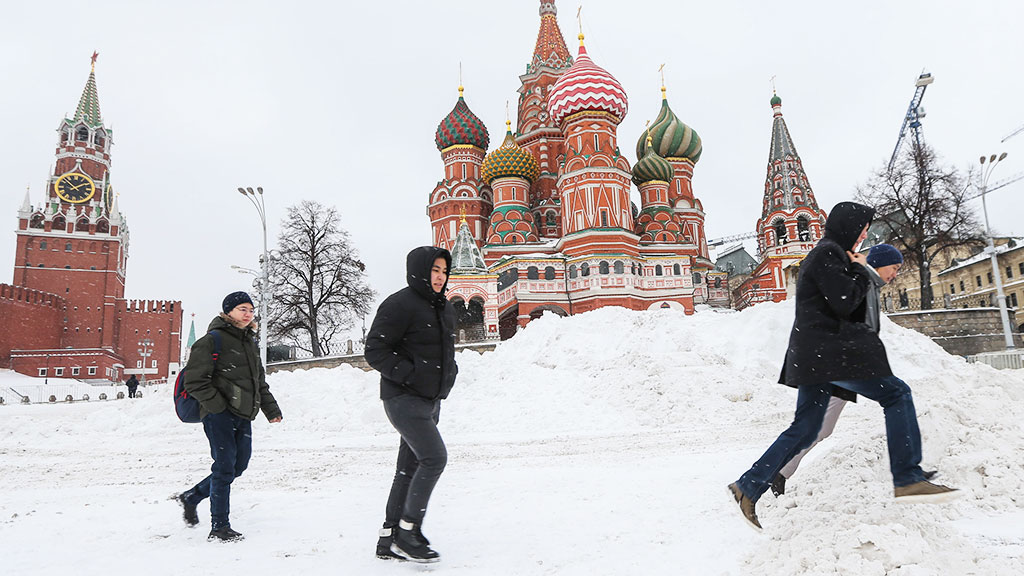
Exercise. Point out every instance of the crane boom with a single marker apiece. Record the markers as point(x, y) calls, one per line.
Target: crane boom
point(912, 119)
point(1012, 134)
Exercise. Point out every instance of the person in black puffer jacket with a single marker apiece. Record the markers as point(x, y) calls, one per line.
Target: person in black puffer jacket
point(231, 390)
point(832, 348)
point(412, 344)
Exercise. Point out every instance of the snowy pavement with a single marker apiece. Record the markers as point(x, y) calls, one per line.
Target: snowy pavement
point(599, 444)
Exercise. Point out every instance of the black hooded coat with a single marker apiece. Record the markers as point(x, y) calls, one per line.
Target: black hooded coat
point(829, 340)
point(412, 339)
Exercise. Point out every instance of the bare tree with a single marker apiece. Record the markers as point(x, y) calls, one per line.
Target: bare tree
point(924, 207)
point(317, 281)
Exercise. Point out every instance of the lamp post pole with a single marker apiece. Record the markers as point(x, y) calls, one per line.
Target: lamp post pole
point(145, 351)
point(256, 197)
point(1000, 296)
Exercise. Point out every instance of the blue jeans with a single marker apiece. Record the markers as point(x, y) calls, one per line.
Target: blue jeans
point(231, 447)
point(901, 431)
point(422, 457)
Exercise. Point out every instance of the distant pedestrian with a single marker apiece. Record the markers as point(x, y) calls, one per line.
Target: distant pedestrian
point(133, 385)
point(231, 389)
point(831, 347)
point(412, 344)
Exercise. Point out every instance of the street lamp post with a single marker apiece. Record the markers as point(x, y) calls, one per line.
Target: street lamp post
point(145, 351)
point(256, 197)
point(986, 172)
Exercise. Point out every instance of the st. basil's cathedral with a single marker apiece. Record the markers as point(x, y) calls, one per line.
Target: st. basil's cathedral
point(545, 223)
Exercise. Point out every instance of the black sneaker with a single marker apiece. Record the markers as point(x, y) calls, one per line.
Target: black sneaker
point(225, 534)
point(384, 540)
point(779, 485)
point(409, 543)
point(190, 515)
point(929, 474)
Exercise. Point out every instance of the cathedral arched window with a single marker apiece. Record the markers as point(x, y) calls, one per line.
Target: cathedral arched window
point(59, 223)
point(677, 270)
point(585, 269)
point(532, 273)
point(82, 225)
point(803, 229)
point(603, 267)
point(64, 135)
point(103, 227)
point(780, 231)
point(549, 273)
point(658, 271)
point(619, 267)
point(82, 134)
point(696, 278)
point(37, 221)
point(550, 220)
point(572, 271)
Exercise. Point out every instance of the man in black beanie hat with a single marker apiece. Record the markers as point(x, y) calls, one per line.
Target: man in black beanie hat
point(225, 374)
point(833, 351)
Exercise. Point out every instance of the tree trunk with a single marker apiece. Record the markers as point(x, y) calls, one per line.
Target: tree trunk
point(924, 275)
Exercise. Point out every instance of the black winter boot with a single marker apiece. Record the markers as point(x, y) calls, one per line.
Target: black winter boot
point(385, 537)
point(410, 544)
point(225, 534)
point(189, 514)
point(779, 485)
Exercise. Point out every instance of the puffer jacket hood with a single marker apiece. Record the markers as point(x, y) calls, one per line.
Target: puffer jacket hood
point(845, 223)
point(417, 272)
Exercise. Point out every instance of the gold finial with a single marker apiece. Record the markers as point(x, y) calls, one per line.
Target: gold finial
point(95, 55)
point(508, 118)
point(579, 22)
point(661, 70)
point(647, 129)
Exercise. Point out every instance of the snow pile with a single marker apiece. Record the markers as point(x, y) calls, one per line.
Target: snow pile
point(601, 444)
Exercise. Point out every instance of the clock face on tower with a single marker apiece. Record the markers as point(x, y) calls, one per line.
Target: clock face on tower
point(75, 188)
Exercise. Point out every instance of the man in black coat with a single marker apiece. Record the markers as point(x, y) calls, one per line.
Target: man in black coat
point(133, 385)
point(412, 344)
point(831, 348)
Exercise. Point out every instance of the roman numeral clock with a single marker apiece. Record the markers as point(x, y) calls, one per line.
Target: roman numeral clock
point(74, 188)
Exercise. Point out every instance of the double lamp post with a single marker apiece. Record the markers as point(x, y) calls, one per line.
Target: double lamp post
point(256, 197)
point(986, 172)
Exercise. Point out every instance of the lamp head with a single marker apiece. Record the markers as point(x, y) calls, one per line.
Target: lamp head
point(241, 191)
point(982, 160)
point(1001, 156)
point(992, 158)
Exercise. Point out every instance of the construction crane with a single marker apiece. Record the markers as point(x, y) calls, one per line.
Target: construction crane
point(1012, 134)
point(912, 119)
point(733, 238)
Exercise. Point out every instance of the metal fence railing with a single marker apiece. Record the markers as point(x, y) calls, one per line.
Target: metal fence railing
point(1004, 360)
point(68, 392)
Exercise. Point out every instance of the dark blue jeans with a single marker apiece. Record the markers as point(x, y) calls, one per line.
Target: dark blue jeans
point(422, 457)
point(901, 431)
point(231, 447)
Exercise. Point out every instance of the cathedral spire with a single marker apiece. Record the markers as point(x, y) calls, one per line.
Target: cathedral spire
point(26, 206)
point(550, 50)
point(466, 256)
point(89, 104)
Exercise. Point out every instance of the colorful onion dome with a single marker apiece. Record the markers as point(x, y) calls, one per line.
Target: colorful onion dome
point(461, 126)
point(652, 167)
point(586, 87)
point(776, 101)
point(509, 160)
point(671, 138)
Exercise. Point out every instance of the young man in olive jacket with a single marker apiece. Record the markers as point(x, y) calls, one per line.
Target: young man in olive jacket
point(832, 348)
point(231, 389)
point(412, 344)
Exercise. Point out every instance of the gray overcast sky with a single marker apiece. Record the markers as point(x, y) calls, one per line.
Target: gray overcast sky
point(338, 102)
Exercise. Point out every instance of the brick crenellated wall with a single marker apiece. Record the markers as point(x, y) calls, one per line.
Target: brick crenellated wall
point(960, 331)
point(31, 319)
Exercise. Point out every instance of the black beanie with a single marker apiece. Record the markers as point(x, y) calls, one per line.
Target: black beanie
point(884, 255)
point(234, 299)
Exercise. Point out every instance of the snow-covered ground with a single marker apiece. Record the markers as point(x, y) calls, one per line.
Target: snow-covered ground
point(598, 444)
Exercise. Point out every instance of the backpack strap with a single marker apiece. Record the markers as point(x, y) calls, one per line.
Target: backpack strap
point(216, 345)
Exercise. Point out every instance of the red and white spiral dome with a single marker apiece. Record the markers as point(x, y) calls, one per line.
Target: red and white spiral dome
point(586, 87)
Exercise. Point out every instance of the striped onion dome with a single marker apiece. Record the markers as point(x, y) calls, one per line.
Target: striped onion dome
point(461, 126)
point(509, 160)
point(671, 138)
point(586, 87)
point(652, 167)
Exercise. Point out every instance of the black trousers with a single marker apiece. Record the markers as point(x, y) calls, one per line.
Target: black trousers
point(422, 456)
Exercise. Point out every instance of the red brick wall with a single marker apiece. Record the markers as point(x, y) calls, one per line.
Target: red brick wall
point(157, 320)
point(31, 319)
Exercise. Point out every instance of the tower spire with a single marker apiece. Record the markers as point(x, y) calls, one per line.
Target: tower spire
point(550, 50)
point(89, 104)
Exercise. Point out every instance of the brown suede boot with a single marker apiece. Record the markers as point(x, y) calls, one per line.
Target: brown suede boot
point(925, 492)
point(746, 506)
